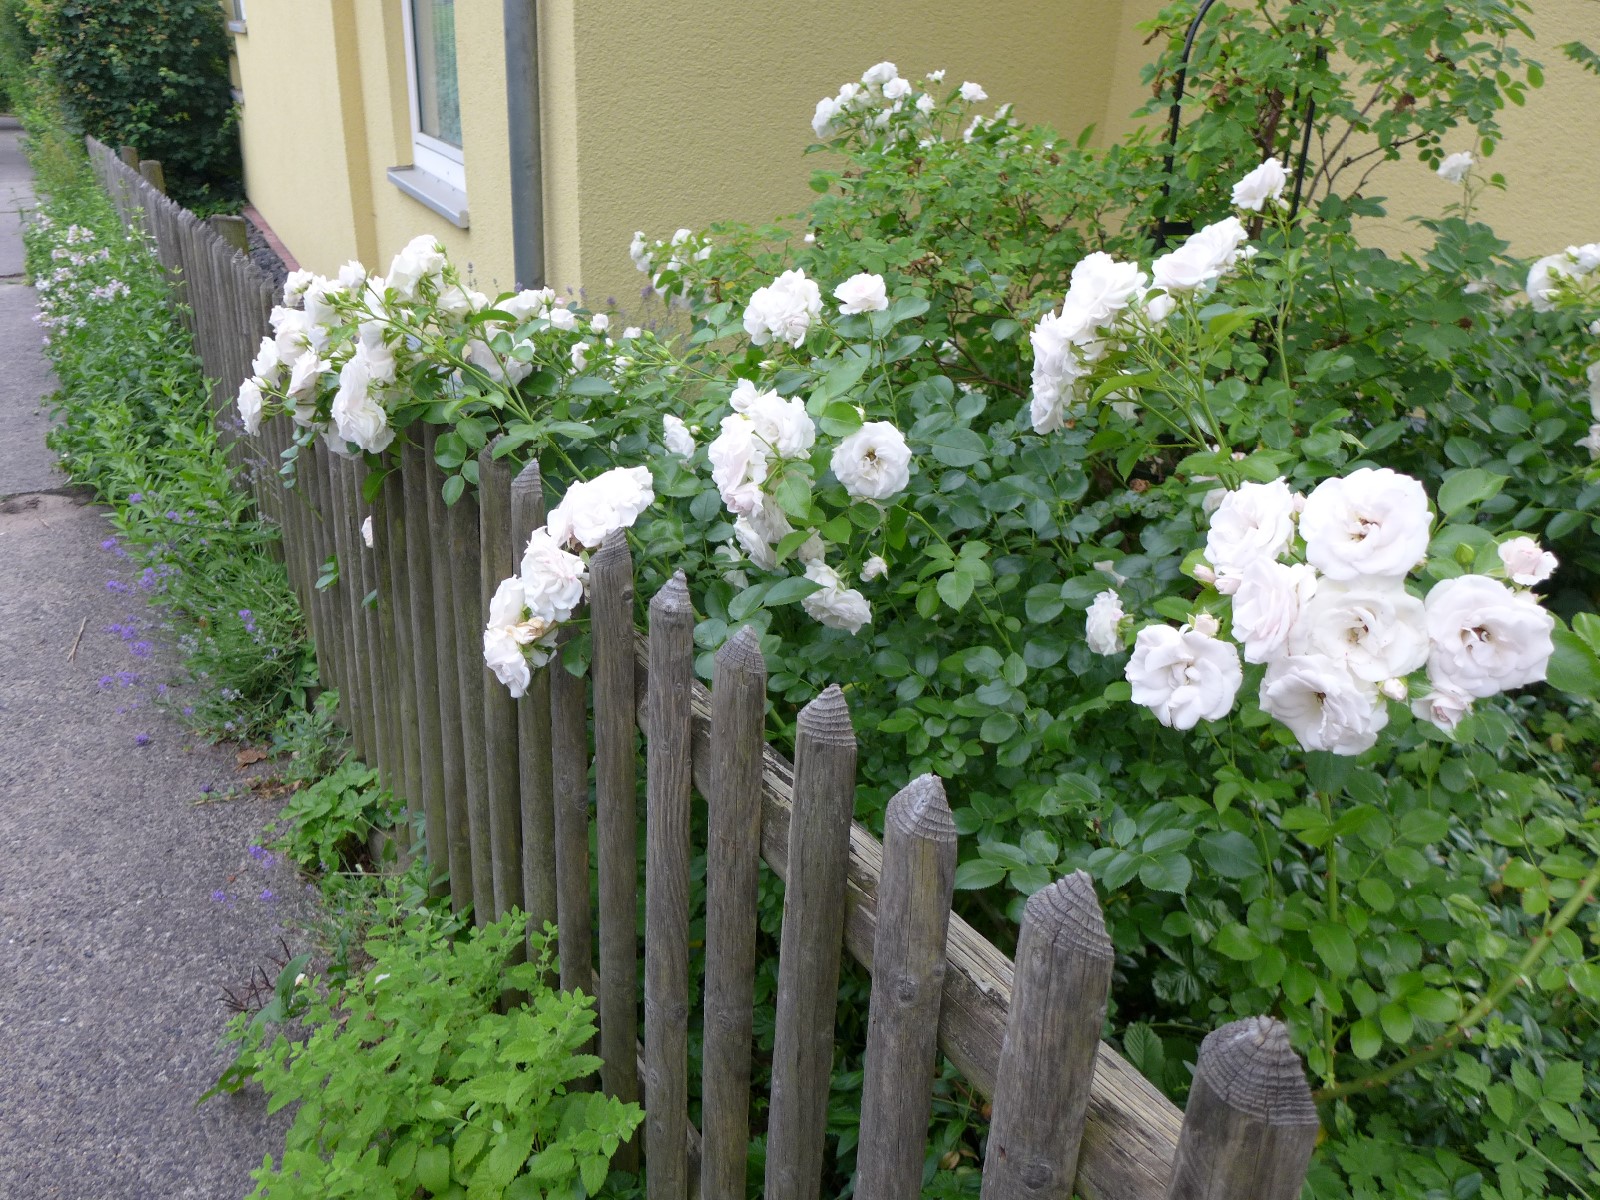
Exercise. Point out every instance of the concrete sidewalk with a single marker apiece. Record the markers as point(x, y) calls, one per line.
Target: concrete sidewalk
point(129, 898)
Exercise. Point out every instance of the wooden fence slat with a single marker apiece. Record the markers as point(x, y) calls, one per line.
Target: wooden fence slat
point(908, 965)
point(502, 775)
point(342, 591)
point(569, 741)
point(1250, 1125)
point(616, 813)
point(400, 676)
point(1058, 1007)
point(810, 945)
point(537, 783)
point(738, 697)
point(449, 667)
point(666, 880)
point(461, 522)
point(380, 695)
point(426, 637)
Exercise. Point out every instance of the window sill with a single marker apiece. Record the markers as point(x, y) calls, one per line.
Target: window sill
point(238, 27)
point(432, 192)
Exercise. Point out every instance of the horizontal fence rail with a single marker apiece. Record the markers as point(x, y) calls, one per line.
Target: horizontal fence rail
point(501, 792)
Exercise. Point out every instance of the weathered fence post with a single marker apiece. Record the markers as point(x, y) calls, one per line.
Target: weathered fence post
point(666, 881)
point(1058, 1006)
point(908, 965)
point(738, 714)
point(569, 745)
point(461, 520)
point(537, 783)
point(233, 231)
point(502, 774)
point(389, 544)
point(808, 954)
point(1250, 1124)
point(611, 609)
point(425, 663)
point(129, 156)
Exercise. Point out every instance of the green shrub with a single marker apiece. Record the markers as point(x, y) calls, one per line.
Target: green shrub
point(151, 74)
point(325, 826)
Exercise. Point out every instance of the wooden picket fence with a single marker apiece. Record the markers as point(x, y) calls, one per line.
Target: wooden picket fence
point(506, 792)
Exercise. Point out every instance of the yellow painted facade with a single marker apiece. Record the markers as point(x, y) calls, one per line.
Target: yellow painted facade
point(671, 112)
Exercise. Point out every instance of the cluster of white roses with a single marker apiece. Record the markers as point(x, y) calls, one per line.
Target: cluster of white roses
point(344, 351)
point(1109, 302)
point(663, 260)
point(882, 94)
point(1329, 615)
point(527, 609)
point(1572, 278)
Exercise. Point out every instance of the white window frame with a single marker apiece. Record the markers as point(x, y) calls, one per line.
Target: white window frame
point(428, 154)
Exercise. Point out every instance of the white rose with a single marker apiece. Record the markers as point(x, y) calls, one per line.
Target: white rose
point(1376, 627)
point(1263, 184)
point(731, 558)
point(356, 415)
point(304, 375)
point(972, 93)
point(677, 437)
point(600, 322)
point(352, 275)
point(783, 424)
point(1102, 287)
point(835, 606)
point(874, 462)
point(879, 74)
point(1252, 524)
point(1202, 259)
point(862, 293)
point(1445, 705)
point(1591, 443)
point(873, 568)
point(1485, 637)
point(1323, 705)
point(1268, 605)
point(502, 651)
point(563, 319)
point(295, 285)
point(1592, 373)
point(268, 364)
point(784, 309)
point(1103, 623)
point(580, 356)
point(250, 406)
point(592, 509)
point(821, 124)
point(552, 580)
point(529, 304)
point(1526, 561)
point(1063, 343)
point(366, 531)
point(925, 104)
point(422, 258)
point(378, 359)
point(1371, 522)
point(761, 531)
point(1183, 676)
point(738, 463)
point(896, 89)
point(1455, 166)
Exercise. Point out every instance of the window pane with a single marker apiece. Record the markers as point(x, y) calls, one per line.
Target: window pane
point(438, 102)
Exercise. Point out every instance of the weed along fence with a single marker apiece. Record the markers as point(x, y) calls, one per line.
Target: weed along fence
point(509, 793)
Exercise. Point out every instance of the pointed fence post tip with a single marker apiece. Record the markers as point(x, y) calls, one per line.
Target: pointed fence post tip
point(827, 718)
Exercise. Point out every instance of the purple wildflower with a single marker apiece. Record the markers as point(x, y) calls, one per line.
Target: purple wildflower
point(220, 896)
point(105, 682)
point(188, 711)
point(127, 678)
point(116, 585)
point(266, 894)
point(135, 497)
point(140, 649)
point(206, 789)
point(142, 739)
point(172, 515)
point(109, 544)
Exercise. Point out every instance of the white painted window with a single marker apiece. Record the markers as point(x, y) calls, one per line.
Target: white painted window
point(435, 98)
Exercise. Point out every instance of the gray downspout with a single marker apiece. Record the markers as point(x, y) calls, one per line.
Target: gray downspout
point(522, 128)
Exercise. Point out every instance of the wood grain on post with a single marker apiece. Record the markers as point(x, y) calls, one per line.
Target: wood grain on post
point(309, 476)
point(616, 812)
point(666, 881)
point(569, 745)
point(232, 230)
point(347, 598)
point(1250, 1125)
point(421, 536)
point(129, 156)
point(370, 659)
point(908, 964)
point(536, 781)
point(811, 942)
point(390, 548)
point(450, 665)
point(461, 520)
point(733, 859)
point(502, 774)
point(1058, 1007)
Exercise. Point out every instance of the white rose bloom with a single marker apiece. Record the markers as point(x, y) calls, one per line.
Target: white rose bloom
point(1268, 606)
point(743, 395)
point(874, 462)
point(677, 437)
point(356, 415)
point(1323, 705)
point(873, 568)
point(1591, 443)
point(761, 531)
point(936, 76)
point(1183, 676)
point(1102, 287)
point(250, 405)
point(639, 251)
point(352, 275)
point(1373, 625)
point(316, 298)
point(629, 332)
point(1455, 166)
point(862, 293)
point(1263, 184)
point(738, 464)
point(295, 285)
point(1485, 637)
point(1527, 562)
point(835, 606)
point(1445, 705)
point(1586, 258)
point(552, 580)
point(1202, 259)
point(1592, 373)
point(880, 74)
point(529, 304)
point(1370, 522)
point(731, 558)
point(783, 425)
point(925, 104)
point(1252, 524)
point(507, 370)
point(784, 309)
point(972, 93)
point(580, 356)
point(378, 359)
point(563, 319)
point(600, 322)
point(821, 125)
point(1063, 344)
point(296, 334)
point(366, 532)
point(268, 364)
point(422, 258)
point(594, 508)
point(1103, 623)
point(896, 89)
point(303, 377)
point(504, 655)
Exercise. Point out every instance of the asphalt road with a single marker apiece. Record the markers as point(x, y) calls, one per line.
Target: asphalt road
point(129, 896)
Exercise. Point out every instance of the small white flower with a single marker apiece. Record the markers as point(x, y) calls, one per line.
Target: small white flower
point(1183, 676)
point(1445, 705)
point(861, 294)
point(677, 437)
point(600, 322)
point(1103, 623)
point(1485, 637)
point(925, 104)
point(1395, 689)
point(366, 532)
point(594, 508)
point(268, 364)
point(821, 124)
point(639, 251)
point(1324, 705)
point(422, 258)
point(580, 356)
point(563, 319)
point(1370, 522)
point(880, 74)
point(784, 425)
point(1263, 184)
point(874, 462)
point(1527, 562)
point(1591, 442)
point(1455, 166)
point(356, 415)
point(630, 332)
point(936, 76)
point(973, 93)
point(250, 406)
point(896, 89)
point(873, 568)
point(835, 606)
point(1202, 259)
